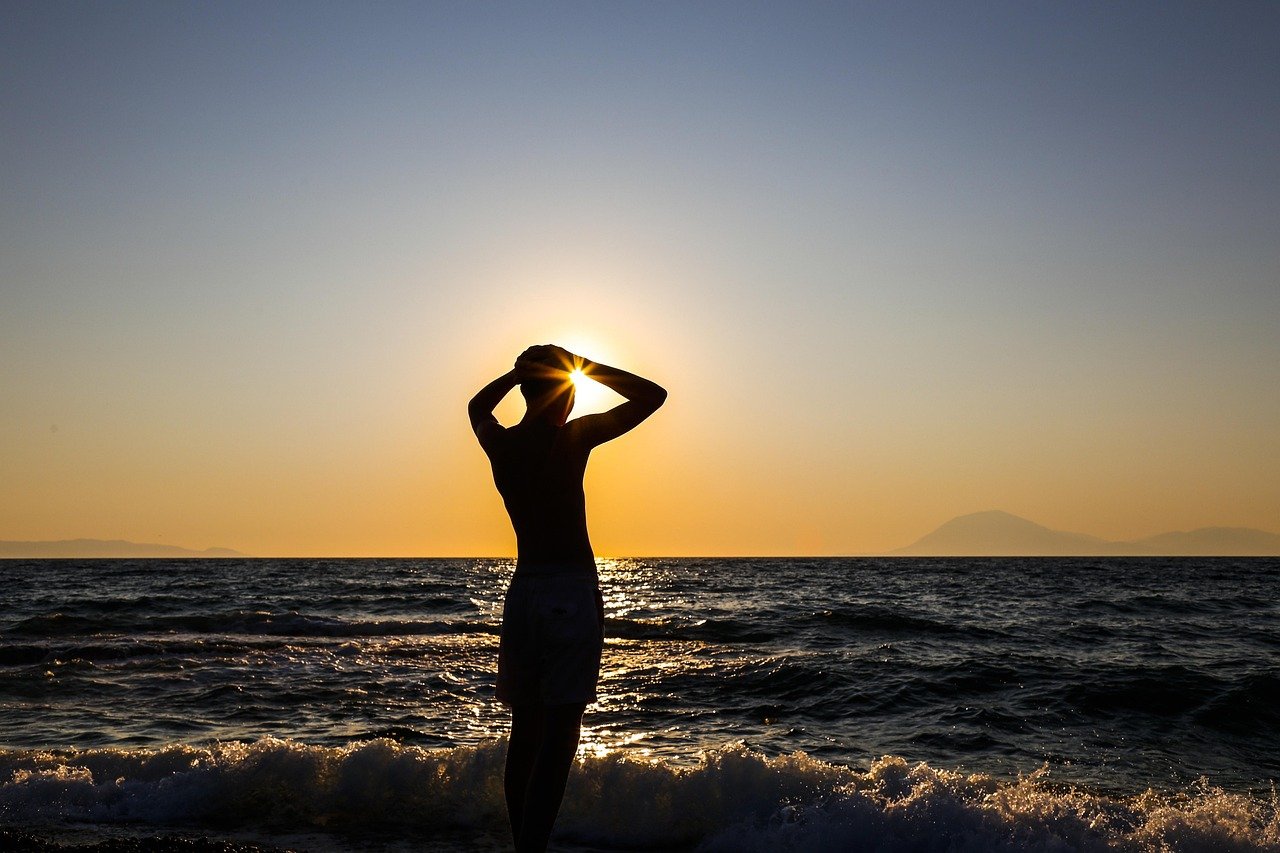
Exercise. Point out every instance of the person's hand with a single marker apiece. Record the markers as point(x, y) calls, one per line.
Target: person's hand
point(561, 357)
point(529, 365)
point(543, 361)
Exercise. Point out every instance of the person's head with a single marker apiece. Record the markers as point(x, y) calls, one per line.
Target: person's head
point(551, 394)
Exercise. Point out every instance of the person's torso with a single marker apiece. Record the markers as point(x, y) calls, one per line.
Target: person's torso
point(538, 470)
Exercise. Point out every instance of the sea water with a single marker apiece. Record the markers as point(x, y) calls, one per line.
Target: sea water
point(745, 704)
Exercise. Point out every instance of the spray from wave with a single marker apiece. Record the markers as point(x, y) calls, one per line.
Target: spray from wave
point(733, 799)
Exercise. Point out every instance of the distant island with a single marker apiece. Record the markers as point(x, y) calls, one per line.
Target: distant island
point(99, 548)
point(1000, 534)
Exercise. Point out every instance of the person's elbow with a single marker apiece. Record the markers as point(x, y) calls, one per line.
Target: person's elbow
point(657, 397)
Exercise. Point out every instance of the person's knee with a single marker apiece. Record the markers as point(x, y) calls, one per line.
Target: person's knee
point(560, 716)
point(563, 726)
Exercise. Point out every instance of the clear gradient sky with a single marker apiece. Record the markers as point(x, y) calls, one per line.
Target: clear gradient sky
point(894, 262)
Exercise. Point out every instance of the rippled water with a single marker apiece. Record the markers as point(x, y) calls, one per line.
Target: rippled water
point(1118, 674)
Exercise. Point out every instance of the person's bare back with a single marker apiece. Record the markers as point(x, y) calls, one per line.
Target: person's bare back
point(538, 468)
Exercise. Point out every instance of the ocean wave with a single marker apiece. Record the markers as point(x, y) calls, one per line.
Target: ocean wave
point(242, 622)
point(733, 799)
point(876, 619)
point(838, 625)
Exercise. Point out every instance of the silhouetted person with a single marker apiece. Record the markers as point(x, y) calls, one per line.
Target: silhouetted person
point(553, 615)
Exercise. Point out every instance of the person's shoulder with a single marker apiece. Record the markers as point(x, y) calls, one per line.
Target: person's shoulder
point(490, 434)
point(577, 428)
point(586, 429)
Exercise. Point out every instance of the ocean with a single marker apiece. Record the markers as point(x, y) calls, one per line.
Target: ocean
point(861, 704)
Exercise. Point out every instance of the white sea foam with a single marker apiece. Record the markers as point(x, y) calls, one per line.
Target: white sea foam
point(732, 800)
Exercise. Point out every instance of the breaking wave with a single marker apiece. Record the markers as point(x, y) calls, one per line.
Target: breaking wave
point(731, 799)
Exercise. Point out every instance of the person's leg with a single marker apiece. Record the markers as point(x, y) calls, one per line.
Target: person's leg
point(522, 749)
point(561, 727)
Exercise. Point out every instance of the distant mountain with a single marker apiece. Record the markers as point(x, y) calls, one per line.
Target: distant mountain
point(997, 534)
point(1212, 541)
point(97, 548)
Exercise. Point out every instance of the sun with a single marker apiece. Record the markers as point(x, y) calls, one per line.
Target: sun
point(590, 396)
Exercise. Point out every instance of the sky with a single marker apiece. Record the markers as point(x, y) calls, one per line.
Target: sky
point(894, 262)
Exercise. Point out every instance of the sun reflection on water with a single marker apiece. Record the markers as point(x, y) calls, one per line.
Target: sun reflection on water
point(644, 666)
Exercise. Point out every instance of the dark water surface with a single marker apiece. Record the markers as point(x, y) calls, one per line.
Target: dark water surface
point(1117, 675)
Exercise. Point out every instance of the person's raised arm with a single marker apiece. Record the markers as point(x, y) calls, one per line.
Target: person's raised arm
point(643, 398)
point(480, 409)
